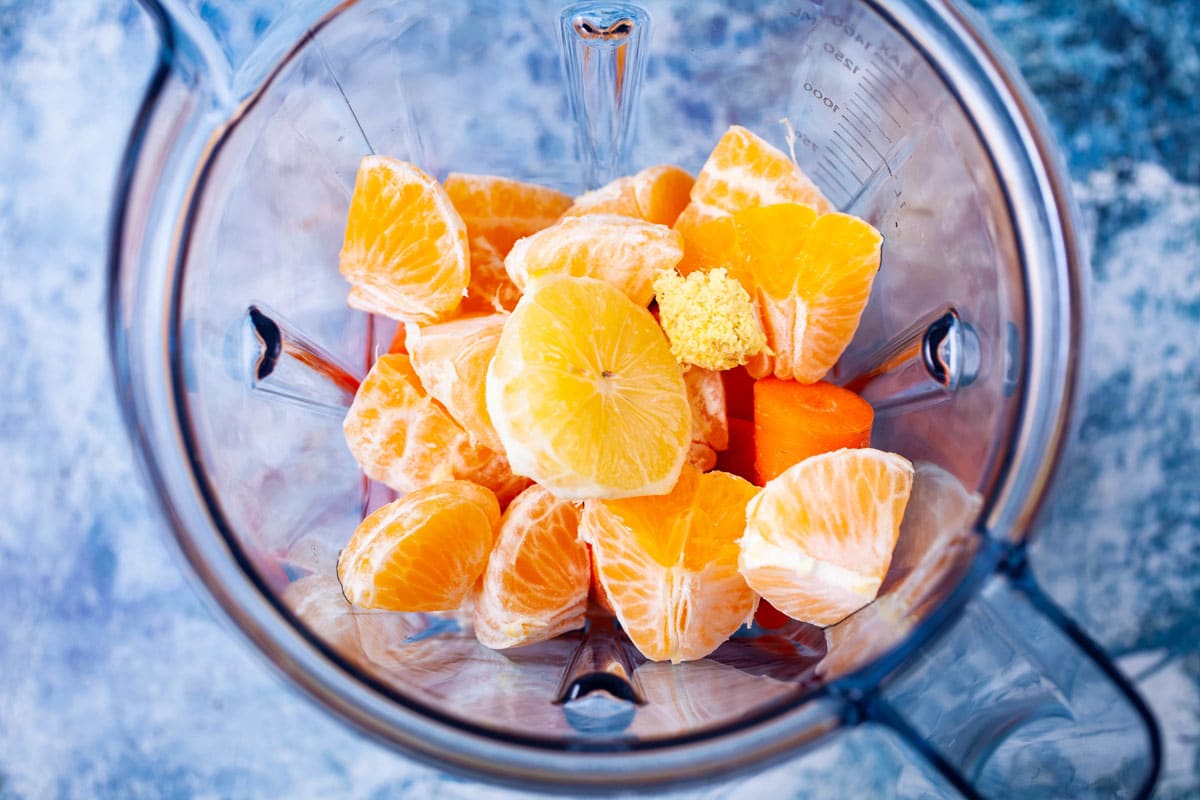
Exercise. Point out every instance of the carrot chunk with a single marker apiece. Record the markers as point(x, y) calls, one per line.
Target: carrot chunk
point(793, 421)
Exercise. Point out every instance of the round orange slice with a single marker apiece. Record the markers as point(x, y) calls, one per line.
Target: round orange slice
point(668, 564)
point(585, 394)
point(538, 575)
point(819, 537)
point(623, 251)
point(422, 552)
point(405, 252)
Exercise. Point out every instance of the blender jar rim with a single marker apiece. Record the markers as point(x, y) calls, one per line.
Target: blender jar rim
point(1013, 133)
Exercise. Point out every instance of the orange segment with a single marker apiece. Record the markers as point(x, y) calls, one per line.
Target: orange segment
point(405, 439)
point(710, 430)
point(707, 243)
point(537, 578)
point(744, 171)
point(819, 538)
point(669, 564)
point(622, 251)
point(405, 251)
point(490, 288)
point(502, 210)
point(656, 194)
point(596, 593)
point(451, 359)
point(810, 277)
point(585, 394)
point(422, 552)
point(935, 546)
point(813, 276)
point(662, 193)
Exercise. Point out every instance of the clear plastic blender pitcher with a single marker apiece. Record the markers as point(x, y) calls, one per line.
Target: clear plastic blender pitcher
point(236, 356)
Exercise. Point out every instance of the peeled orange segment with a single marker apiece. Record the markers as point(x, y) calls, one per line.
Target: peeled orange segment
point(451, 359)
point(935, 547)
point(669, 564)
point(819, 537)
point(708, 244)
point(405, 252)
point(538, 575)
point(710, 428)
point(490, 288)
point(502, 210)
point(402, 437)
point(744, 171)
point(422, 552)
point(810, 277)
point(813, 277)
point(656, 194)
point(622, 251)
point(596, 595)
point(585, 394)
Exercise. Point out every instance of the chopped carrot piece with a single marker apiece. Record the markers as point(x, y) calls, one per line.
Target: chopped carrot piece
point(793, 421)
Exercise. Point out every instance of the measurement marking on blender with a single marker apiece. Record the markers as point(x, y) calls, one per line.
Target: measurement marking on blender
point(881, 57)
point(854, 134)
point(871, 83)
point(865, 94)
point(853, 149)
point(900, 80)
point(892, 95)
point(862, 111)
point(875, 94)
point(823, 169)
point(834, 173)
point(863, 135)
point(845, 162)
point(856, 138)
point(836, 184)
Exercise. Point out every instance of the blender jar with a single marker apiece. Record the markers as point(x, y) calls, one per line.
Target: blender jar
point(236, 355)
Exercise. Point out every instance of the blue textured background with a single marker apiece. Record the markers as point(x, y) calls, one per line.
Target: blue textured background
point(115, 681)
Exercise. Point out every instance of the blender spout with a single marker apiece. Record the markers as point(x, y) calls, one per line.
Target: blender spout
point(923, 365)
point(288, 365)
point(602, 47)
point(602, 662)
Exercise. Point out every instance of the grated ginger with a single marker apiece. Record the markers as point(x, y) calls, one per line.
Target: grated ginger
point(709, 319)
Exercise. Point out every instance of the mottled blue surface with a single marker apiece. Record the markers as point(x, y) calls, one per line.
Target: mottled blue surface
point(115, 681)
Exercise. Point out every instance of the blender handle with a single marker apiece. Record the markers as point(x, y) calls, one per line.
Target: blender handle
point(1016, 700)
